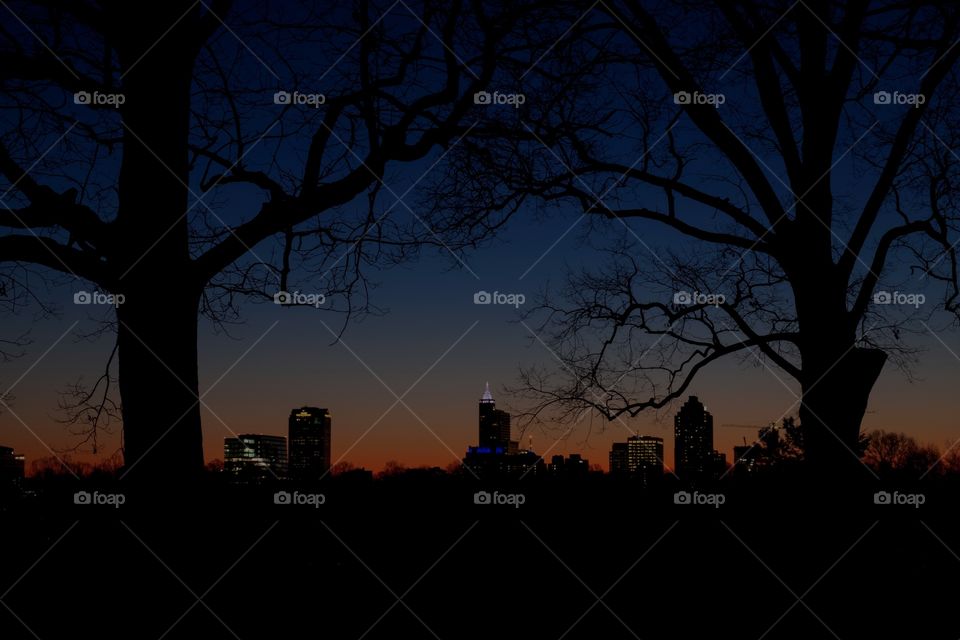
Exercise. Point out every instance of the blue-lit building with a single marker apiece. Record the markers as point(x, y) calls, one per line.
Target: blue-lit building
point(497, 454)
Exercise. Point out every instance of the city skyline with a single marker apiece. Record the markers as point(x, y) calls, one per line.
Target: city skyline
point(492, 430)
point(664, 432)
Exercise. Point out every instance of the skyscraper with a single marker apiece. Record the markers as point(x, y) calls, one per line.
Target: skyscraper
point(645, 457)
point(619, 459)
point(309, 436)
point(639, 456)
point(255, 458)
point(496, 454)
point(494, 424)
point(693, 442)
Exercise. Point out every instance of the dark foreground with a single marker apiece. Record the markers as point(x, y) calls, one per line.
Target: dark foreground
point(419, 559)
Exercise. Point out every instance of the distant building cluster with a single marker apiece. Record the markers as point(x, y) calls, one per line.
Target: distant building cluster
point(696, 462)
point(257, 458)
point(304, 455)
point(498, 456)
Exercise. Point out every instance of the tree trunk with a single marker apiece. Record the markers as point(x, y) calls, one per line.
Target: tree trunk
point(157, 337)
point(157, 329)
point(834, 400)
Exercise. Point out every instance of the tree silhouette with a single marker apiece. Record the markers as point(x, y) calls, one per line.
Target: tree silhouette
point(727, 131)
point(890, 453)
point(784, 443)
point(183, 154)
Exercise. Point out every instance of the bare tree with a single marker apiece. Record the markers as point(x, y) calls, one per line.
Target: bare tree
point(178, 155)
point(888, 452)
point(796, 165)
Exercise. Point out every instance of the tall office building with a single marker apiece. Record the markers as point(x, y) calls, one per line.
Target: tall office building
point(645, 457)
point(255, 457)
point(694, 459)
point(619, 459)
point(639, 456)
point(309, 438)
point(494, 424)
point(496, 454)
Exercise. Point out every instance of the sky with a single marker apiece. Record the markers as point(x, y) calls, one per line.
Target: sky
point(436, 349)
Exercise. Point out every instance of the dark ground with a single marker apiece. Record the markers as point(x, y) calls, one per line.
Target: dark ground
point(418, 559)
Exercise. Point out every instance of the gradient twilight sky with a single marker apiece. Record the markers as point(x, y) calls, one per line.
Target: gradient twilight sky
point(285, 357)
point(435, 340)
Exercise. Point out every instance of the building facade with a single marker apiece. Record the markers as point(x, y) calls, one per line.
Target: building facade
point(619, 459)
point(695, 459)
point(693, 440)
point(640, 457)
point(494, 423)
point(11, 466)
point(255, 458)
point(309, 440)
